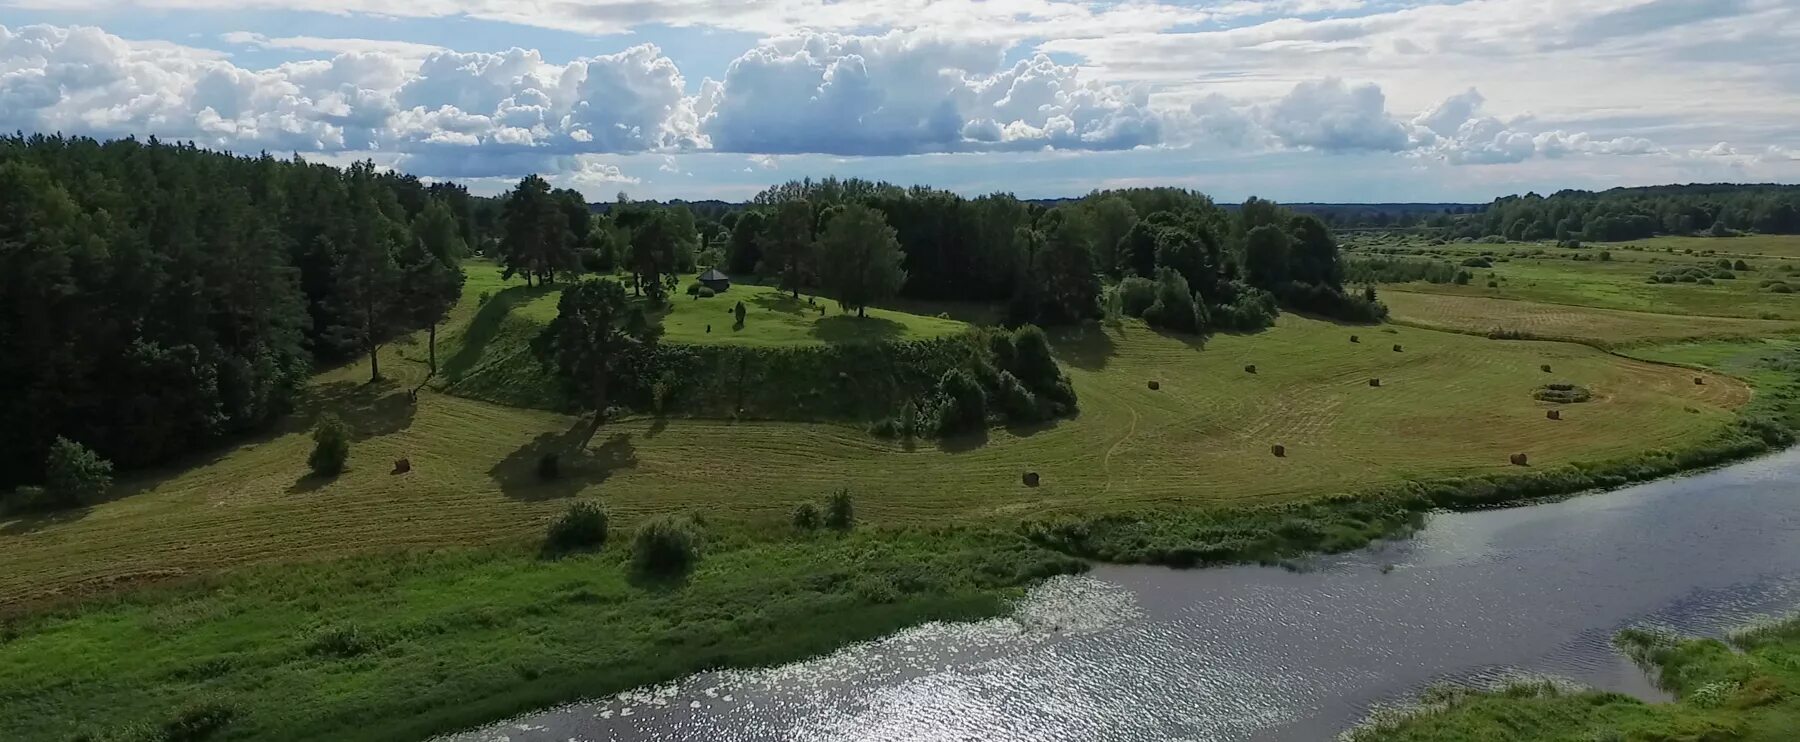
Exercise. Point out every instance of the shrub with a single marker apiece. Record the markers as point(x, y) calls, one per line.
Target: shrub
point(1740, 266)
point(1478, 262)
point(1780, 288)
point(1175, 308)
point(549, 466)
point(663, 546)
point(1136, 294)
point(331, 446)
point(74, 475)
point(840, 513)
point(1462, 278)
point(1562, 394)
point(806, 516)
point(693, 289)
point(1015, 400)
point(483, 298)
point(582, 526)
point(706, 292)
point(1493, 284)
point(964, 405)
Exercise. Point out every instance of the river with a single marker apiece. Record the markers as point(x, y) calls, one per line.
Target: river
point(1268, 653)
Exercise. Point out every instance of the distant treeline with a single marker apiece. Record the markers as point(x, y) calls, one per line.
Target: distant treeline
point(160, 297)
point(1636, 213)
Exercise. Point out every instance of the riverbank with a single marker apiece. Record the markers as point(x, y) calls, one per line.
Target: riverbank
point(1746, 687)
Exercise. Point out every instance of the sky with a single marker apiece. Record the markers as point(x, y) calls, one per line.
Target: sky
point(1296, 100)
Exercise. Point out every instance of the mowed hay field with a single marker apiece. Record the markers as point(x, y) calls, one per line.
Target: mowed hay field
point(1448, 404)
point(1603, 327)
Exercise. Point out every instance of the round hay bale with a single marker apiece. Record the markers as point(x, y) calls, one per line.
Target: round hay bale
point(1553, 414)
point(1519, 459)
point(1155, 385)
point(1031, 479)
point(1398, 349)
point(1545, 367)
point(1374, 382)
point(402, 466)
point(1699, 381)
point(1279, 450)
point(1250, 369)
point(1355, 339)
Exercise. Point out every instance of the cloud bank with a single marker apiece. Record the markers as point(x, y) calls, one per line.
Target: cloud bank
point(473, 114)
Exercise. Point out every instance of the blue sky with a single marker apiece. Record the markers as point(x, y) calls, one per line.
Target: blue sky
point(1320, 100)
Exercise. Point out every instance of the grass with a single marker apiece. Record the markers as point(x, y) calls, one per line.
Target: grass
point(1450, 405)
point(1745, 688)
point(1514, 318)
point(774, 318)
point(401, 647)
point(1557, 276)
point(1771, 245)
point(218, 579)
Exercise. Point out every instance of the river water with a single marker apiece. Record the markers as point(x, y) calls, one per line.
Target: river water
point(1266, 653)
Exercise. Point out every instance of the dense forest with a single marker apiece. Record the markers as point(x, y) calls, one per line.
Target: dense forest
point(160, 298)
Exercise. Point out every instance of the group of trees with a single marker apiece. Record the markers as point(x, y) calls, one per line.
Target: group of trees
point(1635, 213)
point(160, 297)
point(1218, 268)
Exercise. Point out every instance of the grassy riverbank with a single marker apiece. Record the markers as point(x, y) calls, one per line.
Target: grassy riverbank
point(403, 646)
point(1745, 688)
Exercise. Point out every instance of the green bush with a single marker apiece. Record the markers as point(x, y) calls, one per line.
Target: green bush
point(331, 446)
point(74, 475)
point(1741, 266)
point(706, 292)
point(1462, 278)
point(840, 513)
point(1136, 294)
point(1017, 402)
point(663, 547)
point(582, 526)
point(964, 405)
point(1175, 308)
point(1478, 262)
point(693, 289)
point(806, 516)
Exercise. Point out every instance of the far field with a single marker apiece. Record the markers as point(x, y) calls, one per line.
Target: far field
point(1602, 327)
point(1577, 277)
point(1448, 404)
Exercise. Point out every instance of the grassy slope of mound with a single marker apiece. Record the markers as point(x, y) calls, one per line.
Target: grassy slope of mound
point(1745, 689)
point(786, 362)
point(773, 318)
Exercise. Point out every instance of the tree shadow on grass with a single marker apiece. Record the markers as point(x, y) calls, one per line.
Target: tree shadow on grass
point(964, 442)
point(310, 482)
point(1087, 346)
point(485, 326)
point(783, 303)
point(371, 410)
point(518, 477)
point(1193, 340)
point(19, 524)
point(845, 328)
